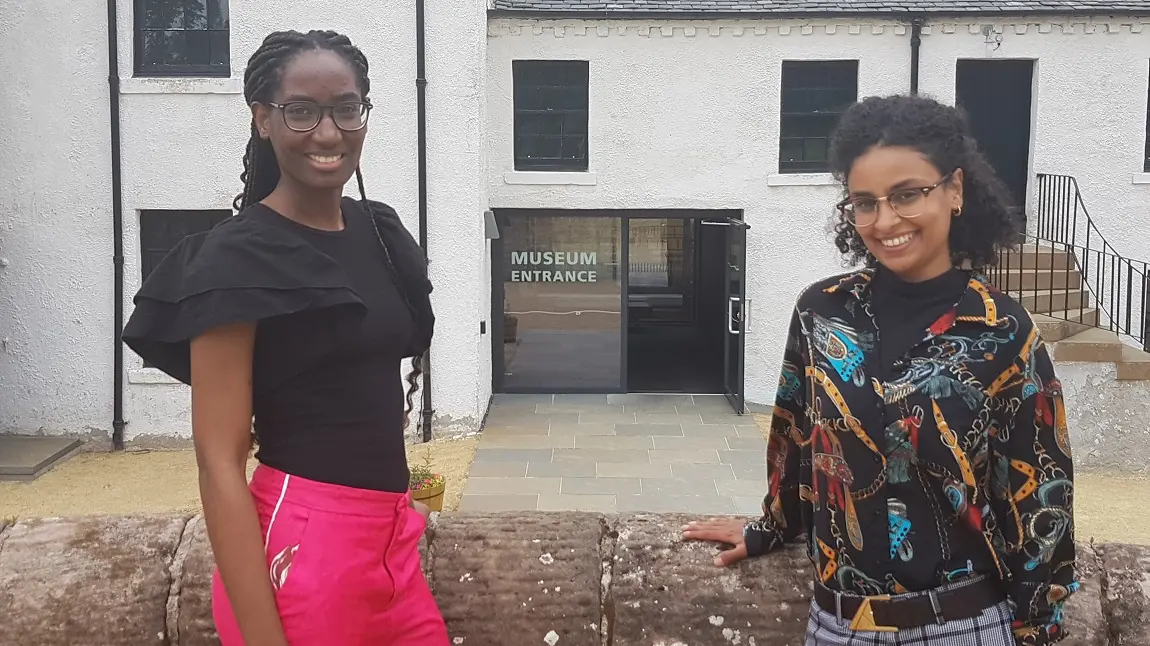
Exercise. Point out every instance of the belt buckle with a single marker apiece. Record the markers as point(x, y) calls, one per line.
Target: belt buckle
point(863, 620)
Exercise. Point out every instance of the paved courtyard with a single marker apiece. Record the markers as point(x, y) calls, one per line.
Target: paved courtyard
point(608, 453)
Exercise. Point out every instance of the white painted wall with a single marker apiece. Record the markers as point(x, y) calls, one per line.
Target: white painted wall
point(55, 220)
point(685, 114)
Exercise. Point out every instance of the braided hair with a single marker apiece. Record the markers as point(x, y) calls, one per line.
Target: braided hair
point(261, 173)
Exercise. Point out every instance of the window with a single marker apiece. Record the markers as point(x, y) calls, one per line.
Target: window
point(162, 230)
point(182, 38)
point(1146, 163)
point(550, 115)
point(814, 95)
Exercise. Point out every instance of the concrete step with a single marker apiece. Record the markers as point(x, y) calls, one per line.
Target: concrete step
point(1085, 316)
point(1012, 279)
point(1044, 301)
point(1036, 257)
point(1094, 345)
point(1134, 366)
point(1054, 329)
point(26, 457)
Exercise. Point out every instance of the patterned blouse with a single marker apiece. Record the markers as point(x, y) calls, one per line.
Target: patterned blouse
point(959, 466)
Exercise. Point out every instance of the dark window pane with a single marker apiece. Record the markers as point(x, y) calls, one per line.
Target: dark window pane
point(162, 14)
point(220, 49)
point(196, 48)
point(813, 96)
point(791, 150)
point(548, 148)
point(164, 48)
point(815, 150)
point(575, 123)
point(574, 148)
point(217, 14)
point(195, 14)
point(182, 37)
point(550, 105)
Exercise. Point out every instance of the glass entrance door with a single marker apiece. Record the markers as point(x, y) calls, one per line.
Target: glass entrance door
point(735, 292)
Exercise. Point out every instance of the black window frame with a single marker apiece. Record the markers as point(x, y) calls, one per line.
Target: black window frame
point(213, 28)
point(157, 224)
point(813, 94)
point(536, 84)
point(1146, 161)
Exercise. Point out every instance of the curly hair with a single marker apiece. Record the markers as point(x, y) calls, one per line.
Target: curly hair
point(990, 220)
point(261, 173)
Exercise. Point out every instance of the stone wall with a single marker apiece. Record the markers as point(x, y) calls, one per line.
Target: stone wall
point(566, 579)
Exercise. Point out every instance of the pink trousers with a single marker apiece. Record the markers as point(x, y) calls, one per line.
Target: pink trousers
point(344, 564)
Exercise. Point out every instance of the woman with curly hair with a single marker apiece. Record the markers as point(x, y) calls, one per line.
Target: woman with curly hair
point(298, 312)
point(919, 440)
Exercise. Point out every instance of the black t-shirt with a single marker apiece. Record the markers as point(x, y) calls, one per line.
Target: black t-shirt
point(336, 312)
point(341, 419)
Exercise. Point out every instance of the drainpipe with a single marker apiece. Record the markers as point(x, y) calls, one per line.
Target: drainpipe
point(915, 45)
point(117, 232)
point(421, 161)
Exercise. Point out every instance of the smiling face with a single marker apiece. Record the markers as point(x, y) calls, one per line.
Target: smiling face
point(914, 245)
point(324, 157)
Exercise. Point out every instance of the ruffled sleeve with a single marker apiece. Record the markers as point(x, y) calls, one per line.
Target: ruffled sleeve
point(242, 270)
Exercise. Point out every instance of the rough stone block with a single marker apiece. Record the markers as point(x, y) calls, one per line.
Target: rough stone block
point(665, 590)
point(194, 563)
point(1084, 618)
point(89, 580)
point(1127, 599)
point(515, 578)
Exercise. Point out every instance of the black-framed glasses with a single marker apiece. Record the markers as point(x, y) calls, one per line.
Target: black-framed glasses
point(907, 203)
point(302, 116)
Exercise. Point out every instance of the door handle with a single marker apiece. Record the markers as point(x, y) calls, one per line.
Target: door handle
point(731, 317)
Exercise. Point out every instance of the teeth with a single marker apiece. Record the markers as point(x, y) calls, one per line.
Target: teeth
point(897, 242)
point(325, 160)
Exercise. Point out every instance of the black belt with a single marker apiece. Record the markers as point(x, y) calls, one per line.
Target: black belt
point(888, 614)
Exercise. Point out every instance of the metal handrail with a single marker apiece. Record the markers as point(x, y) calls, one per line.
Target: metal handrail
point(1070, 270)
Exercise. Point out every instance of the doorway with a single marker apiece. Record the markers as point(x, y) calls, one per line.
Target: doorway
point(674, 302)
point(996, 96)
point(609, 301)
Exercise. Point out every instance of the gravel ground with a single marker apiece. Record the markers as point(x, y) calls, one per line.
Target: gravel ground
point(155, 481)
point(1108, 508)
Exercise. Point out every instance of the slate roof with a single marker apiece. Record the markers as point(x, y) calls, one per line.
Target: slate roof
point(782, 8)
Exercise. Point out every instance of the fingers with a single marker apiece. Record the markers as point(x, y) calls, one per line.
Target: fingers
point(731, 556)
point(714, 529)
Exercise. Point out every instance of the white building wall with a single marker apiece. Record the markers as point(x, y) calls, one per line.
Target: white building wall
point(55, 220)
point(183, 142)
point(685, 114)
point(1089, 106)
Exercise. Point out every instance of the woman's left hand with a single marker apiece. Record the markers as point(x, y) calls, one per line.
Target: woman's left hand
point(423, 509)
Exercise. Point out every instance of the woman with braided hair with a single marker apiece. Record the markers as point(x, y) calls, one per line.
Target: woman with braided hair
point(297, 313)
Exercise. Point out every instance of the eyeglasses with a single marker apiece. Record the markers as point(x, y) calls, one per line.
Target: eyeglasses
point(303, 116)
point(907, 203)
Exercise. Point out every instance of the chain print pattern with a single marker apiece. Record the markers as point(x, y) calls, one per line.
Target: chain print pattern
point(979, 427)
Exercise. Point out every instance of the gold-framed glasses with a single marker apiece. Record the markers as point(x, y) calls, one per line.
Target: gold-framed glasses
point(907, 203)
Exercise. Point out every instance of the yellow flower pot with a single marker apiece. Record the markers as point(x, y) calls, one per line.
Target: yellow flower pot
point(431, 496)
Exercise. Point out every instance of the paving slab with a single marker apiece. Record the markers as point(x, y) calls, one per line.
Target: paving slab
point(615, 453)
point(26, 457)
